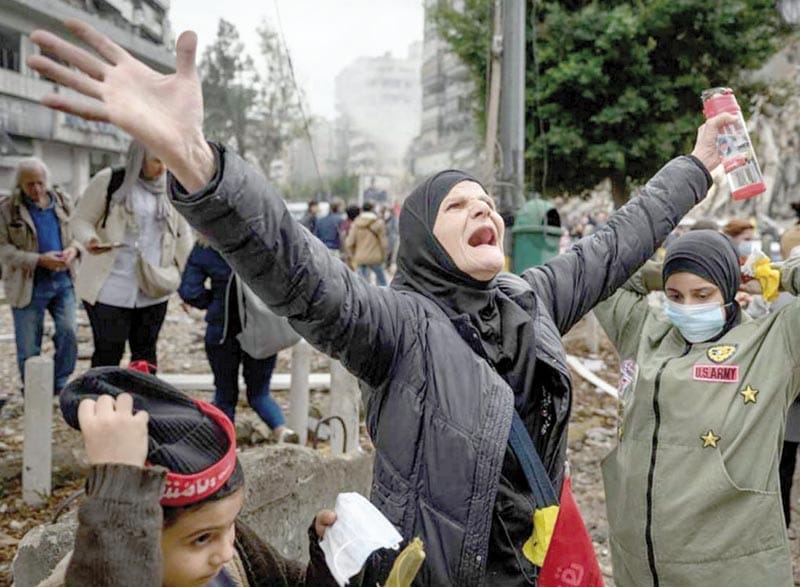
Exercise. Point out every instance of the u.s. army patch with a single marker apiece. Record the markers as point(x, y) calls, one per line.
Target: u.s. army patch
point(721, 352)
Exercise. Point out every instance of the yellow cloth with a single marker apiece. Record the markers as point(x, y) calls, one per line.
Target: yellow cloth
point(769, 279)
point(406, 565)
point(544, 524)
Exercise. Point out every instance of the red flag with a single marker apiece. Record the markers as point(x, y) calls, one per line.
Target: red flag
point(570, 561)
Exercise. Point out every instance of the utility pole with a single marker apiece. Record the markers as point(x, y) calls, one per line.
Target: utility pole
point(493, 103)
point(511, 177)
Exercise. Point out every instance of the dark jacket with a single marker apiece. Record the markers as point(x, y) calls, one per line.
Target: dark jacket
point(329, 229)
point(206, 263)
point(439, 416)
point(118, 541)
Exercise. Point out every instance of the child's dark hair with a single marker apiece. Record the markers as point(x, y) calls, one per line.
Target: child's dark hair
point(232, 485)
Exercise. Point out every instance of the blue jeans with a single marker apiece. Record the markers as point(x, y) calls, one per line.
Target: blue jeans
point(225, 359)
point(59, 300)
point(377, 269)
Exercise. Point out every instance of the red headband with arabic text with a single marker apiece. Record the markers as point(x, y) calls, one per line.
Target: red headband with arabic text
point(181, 489)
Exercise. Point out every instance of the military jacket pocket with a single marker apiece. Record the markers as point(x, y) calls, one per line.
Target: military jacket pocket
point(701, 514)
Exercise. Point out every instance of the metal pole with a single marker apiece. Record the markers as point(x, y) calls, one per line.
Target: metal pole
point(512, 107)
point(493, 103)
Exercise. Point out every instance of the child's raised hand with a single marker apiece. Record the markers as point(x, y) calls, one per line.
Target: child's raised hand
point(112, 433)
point(324, 519)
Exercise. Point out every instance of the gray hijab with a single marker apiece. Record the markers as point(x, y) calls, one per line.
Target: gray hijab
point(711, 255)
point(133, 169)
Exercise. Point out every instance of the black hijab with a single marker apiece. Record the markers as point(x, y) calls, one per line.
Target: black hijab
point(711, 255)
point(502, 319)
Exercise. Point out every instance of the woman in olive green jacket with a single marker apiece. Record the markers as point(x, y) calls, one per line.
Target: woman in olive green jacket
point(692, 487)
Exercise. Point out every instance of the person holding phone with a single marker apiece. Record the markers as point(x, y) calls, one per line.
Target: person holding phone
point(125, 221)
point(38, 257)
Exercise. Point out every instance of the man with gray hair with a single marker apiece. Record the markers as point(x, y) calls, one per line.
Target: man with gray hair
point(37, 254)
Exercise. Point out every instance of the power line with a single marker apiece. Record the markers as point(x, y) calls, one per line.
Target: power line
point(306, 125)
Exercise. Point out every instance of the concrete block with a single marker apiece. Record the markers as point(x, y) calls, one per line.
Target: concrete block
point(37, 452)
point(286, 486)
point(41, 549)
point(345, 401)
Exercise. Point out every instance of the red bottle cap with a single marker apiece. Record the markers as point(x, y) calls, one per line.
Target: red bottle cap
point(749, 191)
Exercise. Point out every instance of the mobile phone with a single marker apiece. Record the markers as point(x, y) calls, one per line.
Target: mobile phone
point(108, 246)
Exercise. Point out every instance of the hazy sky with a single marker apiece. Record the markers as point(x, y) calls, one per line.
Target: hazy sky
point(323, 36)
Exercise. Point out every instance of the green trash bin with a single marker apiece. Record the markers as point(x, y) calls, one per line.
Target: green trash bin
point(535, 235)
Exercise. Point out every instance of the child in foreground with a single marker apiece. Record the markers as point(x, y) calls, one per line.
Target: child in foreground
point(164, 492)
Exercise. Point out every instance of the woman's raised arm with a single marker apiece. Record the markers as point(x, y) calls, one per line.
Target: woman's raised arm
point(227, 200)
point(163, 112)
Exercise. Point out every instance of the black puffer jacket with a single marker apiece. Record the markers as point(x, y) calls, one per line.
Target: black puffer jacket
point(438, 416)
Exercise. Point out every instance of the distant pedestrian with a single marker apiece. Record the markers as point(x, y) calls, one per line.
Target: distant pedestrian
point(392, 234)
point(138, 245)
point(37, 252)
point(367, 244)
point(329, 228)
point(351, 213)
point(309, 219)
point(743, 234)
point(225, 314)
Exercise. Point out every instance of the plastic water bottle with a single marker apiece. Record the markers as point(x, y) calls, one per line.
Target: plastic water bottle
point(738, 157)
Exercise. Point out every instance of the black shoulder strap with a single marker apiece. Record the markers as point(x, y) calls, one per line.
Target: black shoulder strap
point(117, 177)
point(544, 494)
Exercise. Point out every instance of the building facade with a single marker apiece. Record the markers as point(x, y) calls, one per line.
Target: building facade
point(306, 166)
point(378, 101)
point(73, 148)
point(449, 135)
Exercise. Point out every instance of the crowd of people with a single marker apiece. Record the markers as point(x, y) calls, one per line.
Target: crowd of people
point(467, 390)
point(365, 237)
point(123, 251)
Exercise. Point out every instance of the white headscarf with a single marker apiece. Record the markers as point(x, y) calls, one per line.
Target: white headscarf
point(133, 170)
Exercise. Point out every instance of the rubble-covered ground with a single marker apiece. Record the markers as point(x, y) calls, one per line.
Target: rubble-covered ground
point(591, 436)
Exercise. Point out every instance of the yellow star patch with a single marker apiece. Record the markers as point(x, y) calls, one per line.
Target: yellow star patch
point(710, 439)
point(749, 394)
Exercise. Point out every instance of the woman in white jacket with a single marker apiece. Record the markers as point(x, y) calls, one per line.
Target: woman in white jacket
point(138, 245)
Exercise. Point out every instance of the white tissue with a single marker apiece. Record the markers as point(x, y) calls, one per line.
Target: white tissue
point(359, 530)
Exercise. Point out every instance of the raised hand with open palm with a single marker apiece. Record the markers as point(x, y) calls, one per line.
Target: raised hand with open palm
point(163, 112)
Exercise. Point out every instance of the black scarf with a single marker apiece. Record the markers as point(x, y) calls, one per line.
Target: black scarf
point(711, 255)
point(502, 319)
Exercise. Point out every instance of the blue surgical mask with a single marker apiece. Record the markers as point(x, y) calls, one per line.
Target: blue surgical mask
point(696, 322)
point(747, 247)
